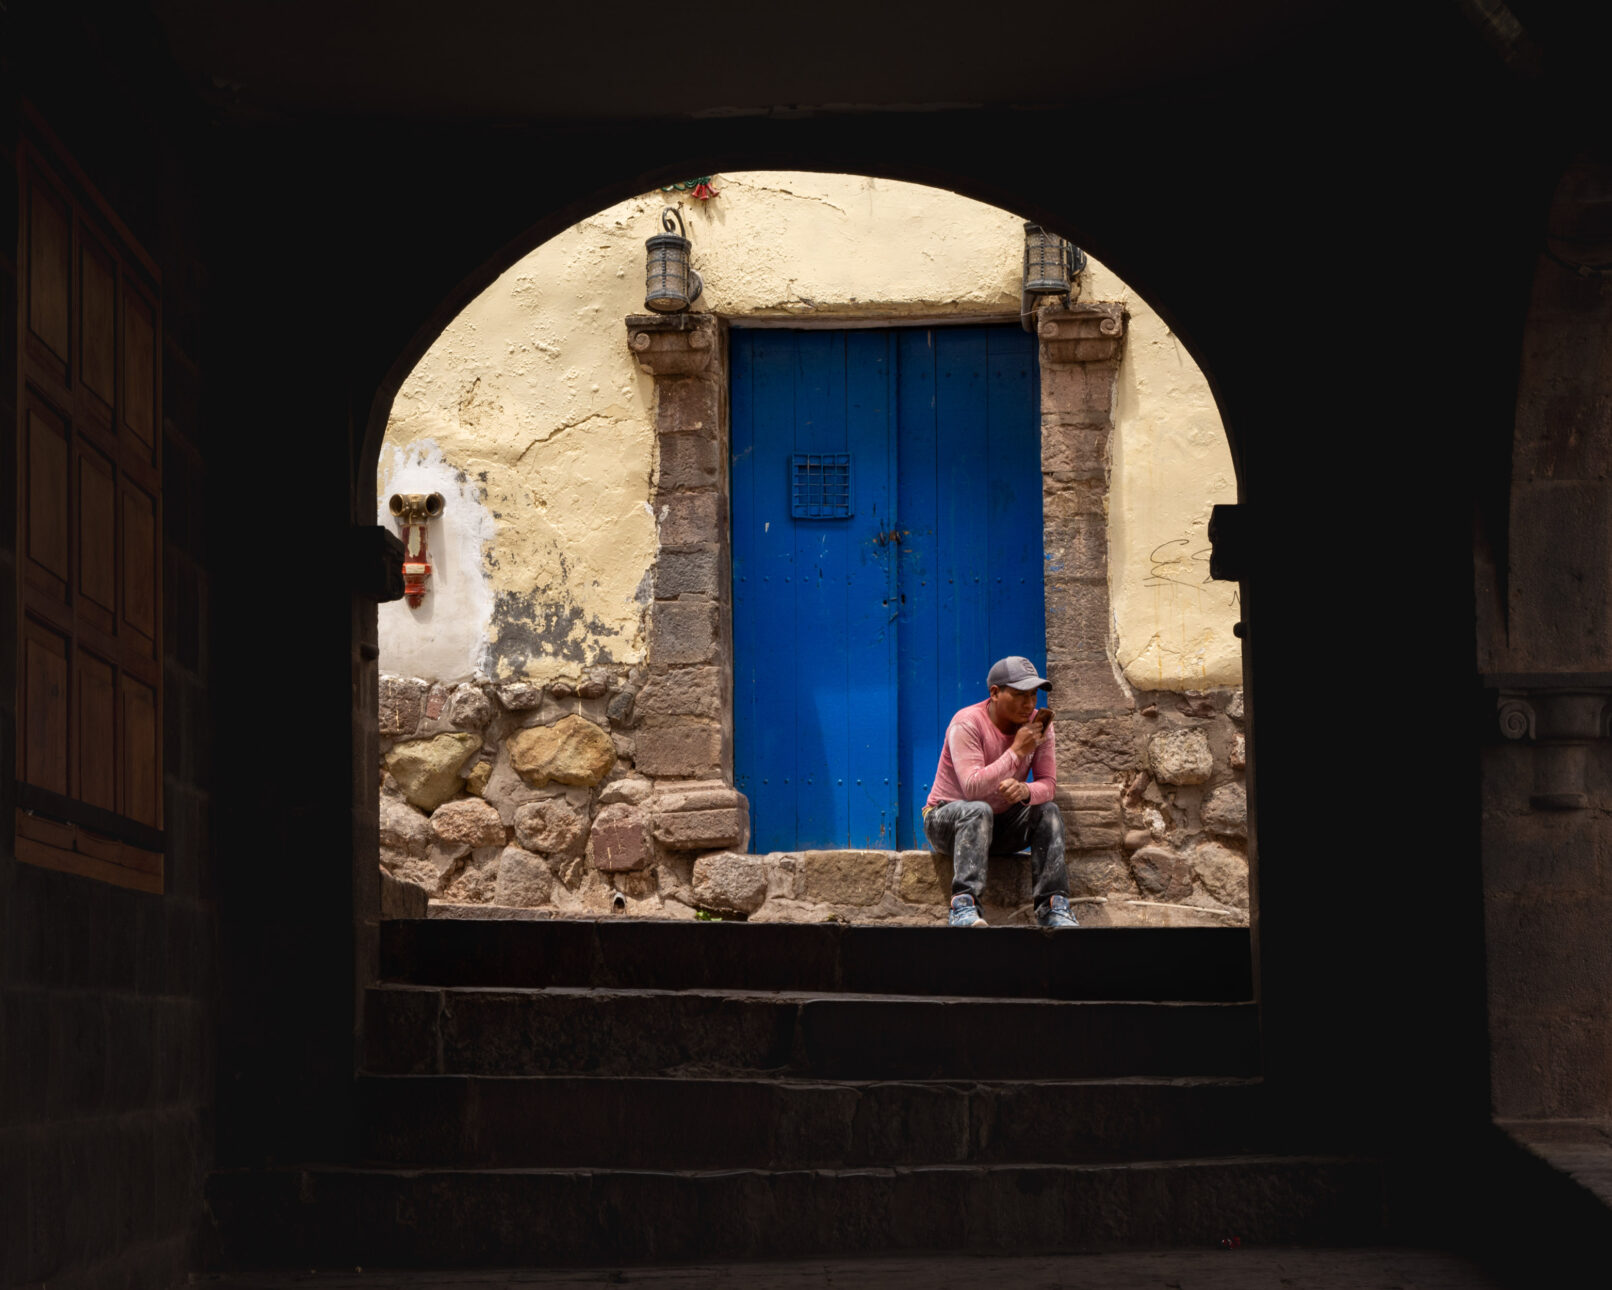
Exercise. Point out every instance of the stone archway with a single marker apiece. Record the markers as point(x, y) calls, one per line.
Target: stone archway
point(1134, 776)
point(1545, 648)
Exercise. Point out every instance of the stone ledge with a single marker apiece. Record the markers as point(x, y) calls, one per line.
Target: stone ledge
point(672, 344)
point(1093, 333)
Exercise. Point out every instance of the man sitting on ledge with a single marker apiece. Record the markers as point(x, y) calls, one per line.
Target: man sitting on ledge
point(981, 804)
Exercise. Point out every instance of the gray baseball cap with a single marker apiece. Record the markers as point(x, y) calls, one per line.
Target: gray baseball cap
point(1016, 673)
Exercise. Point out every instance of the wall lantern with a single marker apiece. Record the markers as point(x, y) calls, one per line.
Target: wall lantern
point(1051, 265)
point(412, 511)
point(671, 285)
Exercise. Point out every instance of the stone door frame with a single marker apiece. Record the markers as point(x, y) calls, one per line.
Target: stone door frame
point(685, 709)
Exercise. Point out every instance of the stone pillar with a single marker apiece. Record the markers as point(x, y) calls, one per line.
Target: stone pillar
point(685, 710)
point(1080, 353)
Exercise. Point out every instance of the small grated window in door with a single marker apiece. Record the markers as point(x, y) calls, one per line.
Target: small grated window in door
point(820, 486)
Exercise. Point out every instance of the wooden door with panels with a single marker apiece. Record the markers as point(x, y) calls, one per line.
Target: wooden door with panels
point(89, 532)
point(887, 548)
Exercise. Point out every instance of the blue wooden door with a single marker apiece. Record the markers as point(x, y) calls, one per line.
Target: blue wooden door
point(886, 549)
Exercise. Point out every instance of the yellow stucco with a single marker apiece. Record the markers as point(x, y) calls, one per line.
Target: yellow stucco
point(532, 394)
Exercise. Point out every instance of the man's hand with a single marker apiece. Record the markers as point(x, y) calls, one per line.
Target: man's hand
point(1028, 739)
point(1015, 790)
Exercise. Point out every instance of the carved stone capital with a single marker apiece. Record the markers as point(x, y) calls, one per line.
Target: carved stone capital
point(1559, 716)
point(1565, 713)
point(706, 817)
point(1082, 333)
point(672, 344)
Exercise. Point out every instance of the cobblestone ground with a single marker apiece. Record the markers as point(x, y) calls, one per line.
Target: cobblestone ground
point(1273, 1269)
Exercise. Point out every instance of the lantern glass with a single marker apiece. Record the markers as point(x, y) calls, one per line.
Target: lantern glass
point(670, 283)
point(1046, 262)
point(666, 288)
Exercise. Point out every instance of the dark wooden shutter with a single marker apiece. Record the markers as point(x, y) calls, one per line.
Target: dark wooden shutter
point(89, 483)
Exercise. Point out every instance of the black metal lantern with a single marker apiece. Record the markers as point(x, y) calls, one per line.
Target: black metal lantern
point(671, 285)
point(1050, 262)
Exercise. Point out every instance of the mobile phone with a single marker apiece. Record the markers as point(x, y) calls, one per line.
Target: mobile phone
point(1044, 717)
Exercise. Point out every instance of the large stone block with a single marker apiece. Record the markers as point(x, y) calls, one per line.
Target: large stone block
point(691, 519)
point(1078, 451)
point(845, 877)
point(1085, 835)
point(1099, 873)
point(1007, 881)
point(735, 883)
point(405, 832)
point(688, 407)
point(924, 877)
point(1563, 545)
point(402, 705)
point(402, 898)
point(428, 771)
point(1099, 803)
point(1077, 547)
point(1114, 744)
point(687, 461)
point(469, 823)
point(520, 696)
point(682, 631)
point(476, 882)
point(1222, 873)
point(1089, 685)
point(571, 751)
point(524, 880)
point(1226, 811)
point(1161, 874)
point(699, 796)
point(1180, 757)
point(685, 749)
point(688, 573)
point(1079, 623)
point(1559, 850)
point(618, 841)
point(631, 789)
point(553, 827)
point(441, 858)
point(702, 830)
point(682, 692)
point(620, 711)
point(1077, 393)
point(469, 708)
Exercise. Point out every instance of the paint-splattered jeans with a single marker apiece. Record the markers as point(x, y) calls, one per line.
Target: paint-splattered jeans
point(971, 833)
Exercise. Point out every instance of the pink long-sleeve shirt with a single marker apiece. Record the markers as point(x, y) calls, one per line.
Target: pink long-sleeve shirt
point(977, 757)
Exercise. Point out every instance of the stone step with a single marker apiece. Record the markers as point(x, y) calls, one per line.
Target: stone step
point(1188, 963)
point(379, 1218)
point(667, 1123)
point(421, 1030)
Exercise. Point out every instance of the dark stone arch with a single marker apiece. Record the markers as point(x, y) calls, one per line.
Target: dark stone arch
point(507, 232)
point(1358, 246)
point(1545, 647)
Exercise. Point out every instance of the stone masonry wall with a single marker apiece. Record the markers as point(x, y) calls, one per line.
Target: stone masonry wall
point(519, 797)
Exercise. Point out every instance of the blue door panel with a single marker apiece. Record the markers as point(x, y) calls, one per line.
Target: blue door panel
point(855, 639)
point(764, 624)
point(870, 716)
point(919, 707)
point(1015, 561)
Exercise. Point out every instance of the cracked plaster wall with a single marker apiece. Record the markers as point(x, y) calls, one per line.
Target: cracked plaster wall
point(532, 397)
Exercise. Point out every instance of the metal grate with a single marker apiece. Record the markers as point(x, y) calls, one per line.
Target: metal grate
point(820, 486)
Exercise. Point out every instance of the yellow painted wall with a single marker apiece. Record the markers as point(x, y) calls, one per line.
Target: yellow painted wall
point(532, 396)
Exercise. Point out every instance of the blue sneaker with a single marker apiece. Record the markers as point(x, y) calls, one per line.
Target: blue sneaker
point(1055, 913)
point(964, 913)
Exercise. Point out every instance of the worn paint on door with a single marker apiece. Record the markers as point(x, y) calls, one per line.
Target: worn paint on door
point(860, 627)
